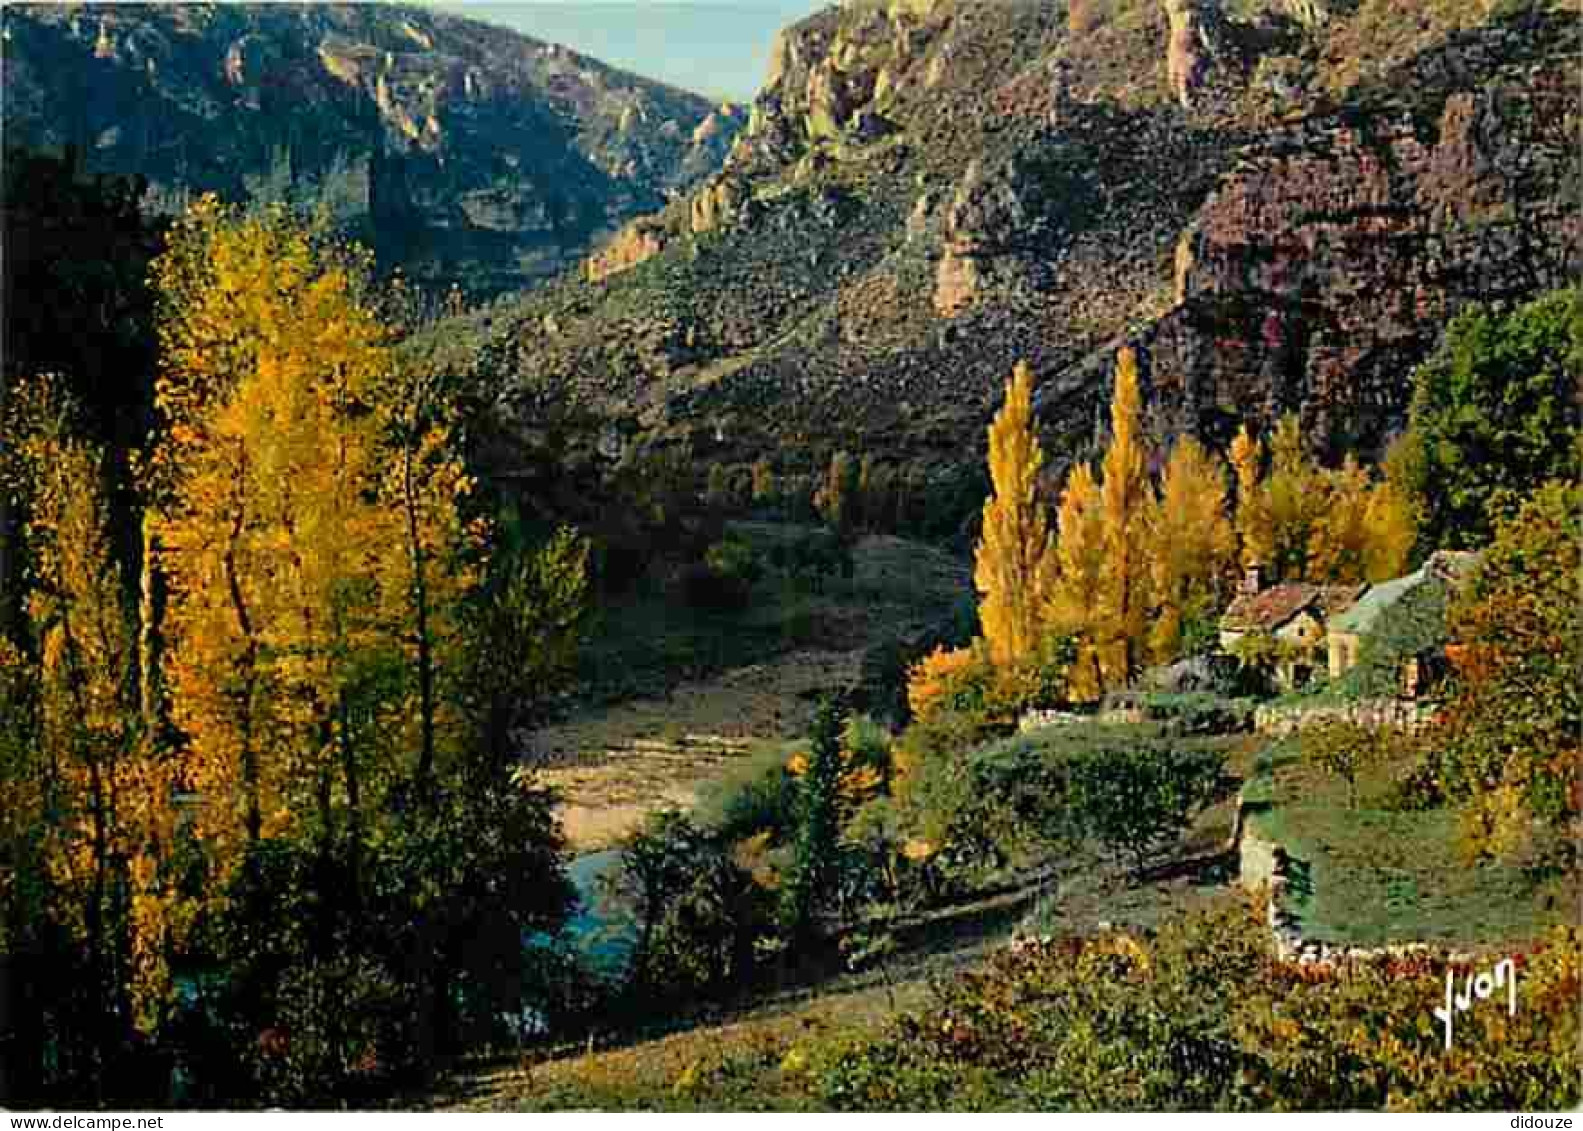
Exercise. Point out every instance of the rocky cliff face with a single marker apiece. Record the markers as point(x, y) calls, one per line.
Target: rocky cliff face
point(1278, 201)
point(465, 152)
point(1323, 267)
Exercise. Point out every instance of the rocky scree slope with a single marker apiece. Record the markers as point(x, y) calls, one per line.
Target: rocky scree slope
point(1277, 201)
point(466, 153)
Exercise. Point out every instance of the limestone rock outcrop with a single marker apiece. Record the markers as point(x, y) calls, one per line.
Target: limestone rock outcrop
point(1325, 265)
point(1274, 246)
point(995, 214)
point(465, 152)
point(639, 241)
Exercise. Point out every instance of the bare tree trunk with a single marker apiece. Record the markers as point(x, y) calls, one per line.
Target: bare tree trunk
point(151, 706)
point(254, 818)
point(420, 612)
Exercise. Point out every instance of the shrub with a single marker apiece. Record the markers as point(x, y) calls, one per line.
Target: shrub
point(1511, 741)
point(724, 579)
point(1494, 410)
point(865, 749)
point(342, 1032)
point(1199, 713)
point(757, 794)
point(1038, 682)
point(978, 807)
point(1258, 654)
point(815, 865)
point(1203, 1016)
point(956, 680)
point(1411, 627)
point(1138, 798)
point(415, 934)
point(876, 868)
point(944, 735)
point(1345, 750)
point(698, 912)
point(887, 666)
point(812, 559)
point(734, 558)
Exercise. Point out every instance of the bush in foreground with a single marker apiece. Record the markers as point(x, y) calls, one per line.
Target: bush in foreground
point(1202, 1016)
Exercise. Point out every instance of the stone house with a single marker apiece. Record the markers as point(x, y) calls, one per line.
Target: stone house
point(1295, 614)
point(1344, 639)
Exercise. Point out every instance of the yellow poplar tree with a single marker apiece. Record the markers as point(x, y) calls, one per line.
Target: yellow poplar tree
point(834, 498)
point(1014, 567)
point(763, 482)
point(1080, 559)
point(1192, 546)
point(426, 575)
point(107, 817)
point(1391, 532)
point(308, 520)
point(1253, 515)
point(1338, 541)
point(1126, 497)
point(1395, 509)
point(1295, 494)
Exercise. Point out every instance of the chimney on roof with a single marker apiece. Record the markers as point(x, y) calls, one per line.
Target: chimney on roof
point(1253, 580)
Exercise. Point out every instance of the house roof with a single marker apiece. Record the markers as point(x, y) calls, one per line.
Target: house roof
point(1268, 609)
point(1361, 616)
point(1337, 599)
point(1448, 566)
point(1273, 608)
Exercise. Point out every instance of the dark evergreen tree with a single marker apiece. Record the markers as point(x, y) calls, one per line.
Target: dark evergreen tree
point(814, 869)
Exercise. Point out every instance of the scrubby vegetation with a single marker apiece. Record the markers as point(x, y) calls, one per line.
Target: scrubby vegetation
point(297, 569)
point(1202, 1017)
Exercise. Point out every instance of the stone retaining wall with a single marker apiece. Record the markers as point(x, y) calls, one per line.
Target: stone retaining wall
point(1116, 716)
point(1279, 722)
point(1262, 868)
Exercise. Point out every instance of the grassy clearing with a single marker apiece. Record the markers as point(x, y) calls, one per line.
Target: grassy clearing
point(1371, 875)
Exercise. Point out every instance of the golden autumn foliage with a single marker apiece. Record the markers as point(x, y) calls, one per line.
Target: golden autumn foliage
point(932, 680)
point(1015, 565)
point(1079, 553)
point(1256, 539)
point(103, 791)
point(424, 578)
point(860, 781)
point(835, 499)
point(1509, 749)
point(1080, 556)
point(1126, 497)
point(1391, 531)
point(307, 509)
point(1192, 546)
point(1338, 540)
point(1294, 493)
point(1304, 522)
point(763, 482)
